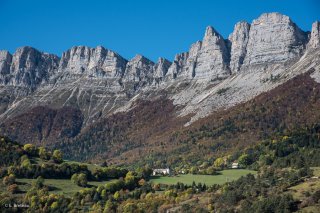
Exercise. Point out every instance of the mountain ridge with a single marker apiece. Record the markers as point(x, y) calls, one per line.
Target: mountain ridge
point(250, 37)
point(214, 75)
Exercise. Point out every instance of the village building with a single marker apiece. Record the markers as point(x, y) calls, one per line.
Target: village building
point(161, 171)
point(235, 165)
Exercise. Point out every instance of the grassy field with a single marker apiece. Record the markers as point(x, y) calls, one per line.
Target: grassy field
point(59, 186)
point(299, 191)
point(303, 190)
point(316, 171)
point(225, 176)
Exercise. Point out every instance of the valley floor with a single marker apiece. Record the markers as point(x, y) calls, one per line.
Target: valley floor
point(59, 186)
point(221, 178)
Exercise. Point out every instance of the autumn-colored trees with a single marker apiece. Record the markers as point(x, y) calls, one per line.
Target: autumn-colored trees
point(38, 183)
point(57, 156)
point(10, 179)
point(80, 179)
point(30, 149)
point(218, 163)
point(43, 153)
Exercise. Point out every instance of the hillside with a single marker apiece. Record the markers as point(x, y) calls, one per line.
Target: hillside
point(160, 107)
point(96, 102)
point(42, 181)
point(234, 120)
point(155, 137)
point(43, 125)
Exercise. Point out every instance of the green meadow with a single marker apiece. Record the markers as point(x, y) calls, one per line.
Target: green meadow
point(222, 177)
point(59, 186)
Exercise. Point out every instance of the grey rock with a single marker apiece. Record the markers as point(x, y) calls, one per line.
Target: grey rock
point(314, 41)
point(30, 67)
point(206, 59)
point(239, 40)
point(5, 63)
point(161, 68)
point(212, 59)
point(139, 69)
point(274, 37)
point(189, 70)
point(95, 62)
point(177, 66)
point(100, 82)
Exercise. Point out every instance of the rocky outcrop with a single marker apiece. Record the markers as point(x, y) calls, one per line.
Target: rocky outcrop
point(271, 38)
point(95, 62)
point(98, 83)
point(239, 40)
point(274, 38)
point(139, 69)
point(314, 41)
point(212, 59)
point(189, 70)
point(5, 63)
point(177, 66)
point(206, 59)
point(161, 68)
point(30, 67)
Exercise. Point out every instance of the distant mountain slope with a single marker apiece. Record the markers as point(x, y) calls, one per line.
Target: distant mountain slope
point(42, 125)
point(94, 102)
point(150, 133)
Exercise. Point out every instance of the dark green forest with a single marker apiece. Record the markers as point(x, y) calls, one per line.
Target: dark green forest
point(283, 162)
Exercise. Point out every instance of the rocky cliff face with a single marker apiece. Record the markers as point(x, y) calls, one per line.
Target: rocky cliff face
point(207, 59)
point(274, 38)
point(97, 62)
point(239, 40)
point(210, 76)
point(139, 69)
point(314, 41)
point(213, 57)
point(178, 65)
point(5, 62)
point(161, 68)
point(28, 67)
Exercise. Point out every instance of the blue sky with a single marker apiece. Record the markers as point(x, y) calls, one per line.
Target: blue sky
point(151, 28)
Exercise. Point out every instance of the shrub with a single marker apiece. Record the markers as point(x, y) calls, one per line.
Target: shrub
point(8, 180)
point(57, 156)
point(13, 188)
point(38, 183)
point(80, 179)
point(222, 90)
point(30, 149)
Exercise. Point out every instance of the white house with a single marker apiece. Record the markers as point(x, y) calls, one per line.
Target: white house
point(235, 165)
point(161, 171)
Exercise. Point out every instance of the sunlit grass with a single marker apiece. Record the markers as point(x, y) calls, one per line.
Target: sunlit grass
point(224, 176)
point(59, 186)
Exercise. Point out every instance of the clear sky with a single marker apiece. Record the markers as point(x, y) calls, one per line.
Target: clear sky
point(151, 28)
